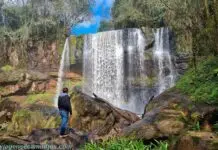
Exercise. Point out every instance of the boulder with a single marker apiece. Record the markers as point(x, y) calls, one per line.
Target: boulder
point(11, 77)
point(197, 140)
point(167, 115)
point(98, 116)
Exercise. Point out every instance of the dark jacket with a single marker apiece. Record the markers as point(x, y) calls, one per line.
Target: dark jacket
point(64, 103)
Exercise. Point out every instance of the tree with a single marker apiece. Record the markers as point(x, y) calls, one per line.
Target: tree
point(193, 21)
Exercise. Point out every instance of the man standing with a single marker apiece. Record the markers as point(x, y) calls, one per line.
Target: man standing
point(64, 107)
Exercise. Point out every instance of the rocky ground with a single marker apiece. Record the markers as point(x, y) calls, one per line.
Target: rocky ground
point(25, 95)
point(49, 138)
point(27, 119)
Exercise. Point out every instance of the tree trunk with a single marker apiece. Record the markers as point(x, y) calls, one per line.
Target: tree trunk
point(206, 8)
point(215, 7)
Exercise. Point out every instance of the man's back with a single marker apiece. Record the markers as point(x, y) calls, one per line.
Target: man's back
point(64, 102)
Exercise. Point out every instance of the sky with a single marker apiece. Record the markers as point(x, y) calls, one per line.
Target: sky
point(101, 11)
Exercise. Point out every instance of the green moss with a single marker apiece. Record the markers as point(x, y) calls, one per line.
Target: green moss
point(148, 81)
point(39, 97)
point(148, 55)
point(24, 121)
point(201, 85)
point(60, 46)
point(7, 68)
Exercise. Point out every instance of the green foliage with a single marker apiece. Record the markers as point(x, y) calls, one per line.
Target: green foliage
point(7, 68)
point(77, 46)
point(125, 144)
point(24, 121)
point(215, 127)
point(201, 84)
point(44, 29)
point(196, 126)
point(105, 26)
point(195, 116)
point(193, 22)
point(33, 21)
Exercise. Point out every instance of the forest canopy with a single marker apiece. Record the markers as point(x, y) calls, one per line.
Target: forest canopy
point(194, 22)
point(40, 18)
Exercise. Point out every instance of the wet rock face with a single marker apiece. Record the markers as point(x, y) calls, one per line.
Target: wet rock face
point(182, 63)
point(180, 60)
point(98, 117)
point(43, 56)
point(37, 55)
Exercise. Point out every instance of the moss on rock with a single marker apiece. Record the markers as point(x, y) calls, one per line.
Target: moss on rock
point(24, 121)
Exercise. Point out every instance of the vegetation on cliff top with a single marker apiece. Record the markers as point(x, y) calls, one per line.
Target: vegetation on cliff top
point(23, 24)
point(201, 84)
point(195, 23)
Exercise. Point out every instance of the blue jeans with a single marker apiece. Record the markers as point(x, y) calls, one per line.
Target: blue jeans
point(64, 121)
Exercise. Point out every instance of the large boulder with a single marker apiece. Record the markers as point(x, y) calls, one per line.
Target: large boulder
point(98, 116)
point(170, 114)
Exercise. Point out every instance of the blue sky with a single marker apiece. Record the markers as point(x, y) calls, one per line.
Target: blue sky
point(100, 11)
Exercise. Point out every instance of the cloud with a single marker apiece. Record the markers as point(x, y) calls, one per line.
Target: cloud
point(100, 11)
point(85, 24)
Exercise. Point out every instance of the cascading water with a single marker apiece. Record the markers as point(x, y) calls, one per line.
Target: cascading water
point(103, 66)
point(114, 67)
point(64, 66)
point(161, 53)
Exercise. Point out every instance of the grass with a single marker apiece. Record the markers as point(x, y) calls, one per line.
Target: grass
point(201, 85)
point(125, 144)
point(47, 97)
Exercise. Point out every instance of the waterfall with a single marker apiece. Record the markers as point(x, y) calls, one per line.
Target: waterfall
point(162, 57)
point(64, 66)
point(102, 67)
point(114, 67)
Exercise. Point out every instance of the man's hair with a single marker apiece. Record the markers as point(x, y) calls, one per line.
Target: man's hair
point(65, 90)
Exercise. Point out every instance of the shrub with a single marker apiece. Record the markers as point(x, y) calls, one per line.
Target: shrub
point(201, 85)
